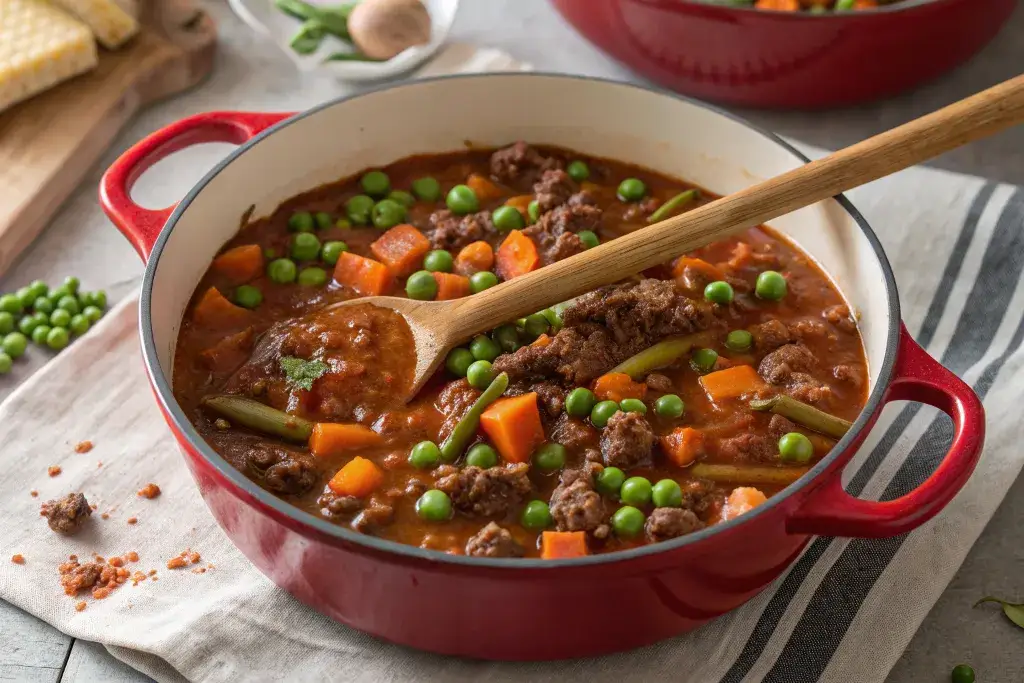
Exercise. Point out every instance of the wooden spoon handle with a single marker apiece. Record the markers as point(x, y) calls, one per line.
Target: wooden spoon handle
point(978, 116)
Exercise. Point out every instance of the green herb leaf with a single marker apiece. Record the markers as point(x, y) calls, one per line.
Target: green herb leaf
point(1013, 611)
point(302, 373)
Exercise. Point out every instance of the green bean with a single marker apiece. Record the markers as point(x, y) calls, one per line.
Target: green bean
point(332, 19)
point(804, 415)
point(670, 207)
point(748, 474)
point(259, 417)
point(465, 429)
point(660, 355)
point(308, 38)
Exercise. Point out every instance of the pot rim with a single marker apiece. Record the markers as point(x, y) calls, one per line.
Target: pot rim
point(881, 10)
point(181, 424)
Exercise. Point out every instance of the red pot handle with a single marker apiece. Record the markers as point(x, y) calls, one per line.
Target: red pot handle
point(831, 511)
point(142, 226)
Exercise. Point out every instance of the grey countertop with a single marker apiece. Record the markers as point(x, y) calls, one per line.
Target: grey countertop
point(249, 74)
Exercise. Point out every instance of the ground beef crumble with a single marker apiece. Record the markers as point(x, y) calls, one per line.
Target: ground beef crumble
point(452, 232)
point(99, 576)
point(666, 523)
point(66, 515)
point(487, 492)
point(627, 441)
point(520, 164)
point(493, 541)
point(576, 506)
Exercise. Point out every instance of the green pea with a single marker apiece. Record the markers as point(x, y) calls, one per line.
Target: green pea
point(41, 318)
point(301, 221)
point(60, 318)
point(27, 324)
point(610, 480)
point(79, 324)
point(427, 189)
point(70, 304)
point(507, 218)
point(483, 456)
point(323, 220)
point(14, 344)
point(58, 338)
point(312, 277)
point(580, 402)
point(376, 183)
point(425, 455)
point(40, 333)
point(462, 200)
point(99, 299)
point(387, 213)
point(842, 5)
point(549, 457)
point(589, 238)
point(248, 296)
point(533, 211)
point(43, 305)
point(6, 322)
point(602, 412)
point(72, 283)
point(57, 293)
point(578, 170)
point(25, 297)
point(535, 325)
point(507, 337)
point(536, 515)
point(10, 303)
point(92, 313)
point(439, 261)
point(632, 190)
point(343, 223)
point(402, 197)
point(484, 348)
point(421, 285)
point(719, 292)
point(670, 406)
point(739, 340)
point(358, 209)
point(482, 280)
point(332, 251)
point(703, 360)
point(479, 374)
point(305, 247)
point(667, 494)
point(6, 363)
point(633, 405)
point(636, 491)
point(770, 286)
point(458, 361)
point(628, 522)
point(282, 271)
point(795, 447)
point(39, 288)
point(434, 506)
point(962, 673)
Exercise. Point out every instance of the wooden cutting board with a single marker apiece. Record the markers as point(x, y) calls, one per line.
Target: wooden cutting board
point(49, 143)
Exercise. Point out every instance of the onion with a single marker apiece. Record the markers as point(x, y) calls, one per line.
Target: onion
point(382, 29)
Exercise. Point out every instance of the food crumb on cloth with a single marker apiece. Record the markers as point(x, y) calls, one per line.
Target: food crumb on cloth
point(83, 447)
point(150, 491)
point(80, 605)
point(186, 557)
point(66, 515)
point(34, 493)
point(133, 520)
point(18, 558)
point(53, 470)
point(98, 578)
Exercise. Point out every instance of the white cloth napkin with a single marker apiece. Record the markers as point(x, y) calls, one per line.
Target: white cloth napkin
point(845, 611)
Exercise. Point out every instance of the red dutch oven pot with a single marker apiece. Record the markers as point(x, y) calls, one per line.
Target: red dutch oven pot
point(516, 609)
point(760, 58)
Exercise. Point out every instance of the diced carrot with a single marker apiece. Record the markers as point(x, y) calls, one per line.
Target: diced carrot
point(334, 438)
point(513, 426)
point(366, 276)
point(779, 5)
point(616, 386)
point(214, 310)
point(359, 477)
point(482, 187)
point(401, 249)
point(865, 4)
point(451, 286)
point(517, 255)
point(240, 264)
point(682, 445)
point(562, 545)
point(542, 340)
point(742, 499)
point(731, 382)
point(521, 202)
point(474, 257)
point(230, 352)
point(700, 265)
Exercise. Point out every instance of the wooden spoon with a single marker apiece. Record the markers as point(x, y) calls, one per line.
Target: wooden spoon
point(438, 326)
